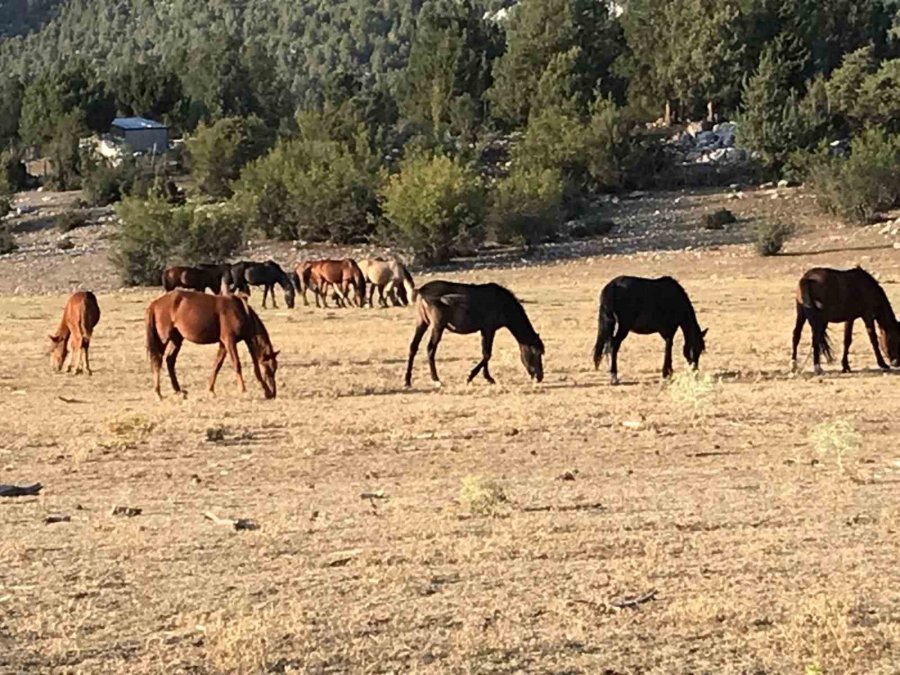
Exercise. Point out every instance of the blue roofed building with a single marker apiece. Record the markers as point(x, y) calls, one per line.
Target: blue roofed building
point(140, 134)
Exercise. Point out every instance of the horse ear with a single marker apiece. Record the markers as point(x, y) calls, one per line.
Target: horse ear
point(54, 338)
point(275, 354)
point(704, 332)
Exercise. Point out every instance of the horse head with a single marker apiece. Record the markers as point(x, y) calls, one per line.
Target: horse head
point(268, 362)
point(58, 351)
point(694, 346)
point(533, 358)
point(890, 343)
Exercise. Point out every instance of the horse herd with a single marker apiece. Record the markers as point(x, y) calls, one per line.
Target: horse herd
point(627, 305)
point(346, 279)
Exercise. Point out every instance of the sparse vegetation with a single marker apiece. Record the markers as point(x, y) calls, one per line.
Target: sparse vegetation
point(693, 389)
point(7, 241)
point(717, 220)
point(481, 496)
point(771, 236)
point(69, 220)
point(836, 441)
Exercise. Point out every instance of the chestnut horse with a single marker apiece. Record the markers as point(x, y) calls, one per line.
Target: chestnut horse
point(208, 319)
point(473, 308)
point(830, 296)
point(341, 275)
point(79, 317)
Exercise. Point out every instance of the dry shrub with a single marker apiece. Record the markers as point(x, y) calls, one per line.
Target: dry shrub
point(131, 427)
point(770, 237)
point(693, 390)
point(818, 633)
point(838, 439)
point(481, 496)
point(717, 220)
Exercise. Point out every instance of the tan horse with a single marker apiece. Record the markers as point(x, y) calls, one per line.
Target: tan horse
point(208, 319)
point(340, 275)
point(79, 317)
point(391, 277)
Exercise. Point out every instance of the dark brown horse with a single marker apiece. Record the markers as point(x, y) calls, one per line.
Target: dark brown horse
point(647, 306)
point(472, 308)
point(208, 319)
point(199, 278)
point(831, 296)
point(76, 327)
point(341, 275)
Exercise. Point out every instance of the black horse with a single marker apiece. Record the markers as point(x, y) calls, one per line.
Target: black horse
point(216, 278)
point(470, 308)
point(265, 274)
point(647, 306)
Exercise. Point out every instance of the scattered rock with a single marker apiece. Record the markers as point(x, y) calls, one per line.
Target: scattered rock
point(57, 518)
point(341, 558)
point(567, 475)
point(127, 511)
point(20, 490)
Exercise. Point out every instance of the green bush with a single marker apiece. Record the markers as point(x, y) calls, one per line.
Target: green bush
point(863, 184)
point(526, 206)
point(437, 204)
point(69, 220)
point(13, 176)
point(717, 220)
point(770, 237)
point(218, 152)
point(7, 243)
point(312, 188)
point(5, 206)
point(102, 184)
point(153, 234)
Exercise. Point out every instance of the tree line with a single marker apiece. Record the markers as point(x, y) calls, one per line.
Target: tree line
point(321, 119)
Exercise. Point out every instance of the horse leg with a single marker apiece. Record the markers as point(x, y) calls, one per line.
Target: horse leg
point(487, 345)
point(86, 346)
point(436, 332)
point(667, 360)
point(231, 346)
point(381, 301)
point(818, 331)
point(848, 340)
point(421, 327)
point(175, 347)
point(873, 338)
point(271, 288)
point(617, 340)
point(217, 366)
point(798, 332)
point(156, 367)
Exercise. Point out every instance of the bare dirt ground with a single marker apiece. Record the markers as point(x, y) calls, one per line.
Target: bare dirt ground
point(770, 549)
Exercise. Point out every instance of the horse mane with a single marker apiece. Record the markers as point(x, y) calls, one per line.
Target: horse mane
point(518, 316)
point(259, 336)
point(882, 296)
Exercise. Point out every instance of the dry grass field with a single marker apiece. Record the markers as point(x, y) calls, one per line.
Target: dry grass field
point(762, 508)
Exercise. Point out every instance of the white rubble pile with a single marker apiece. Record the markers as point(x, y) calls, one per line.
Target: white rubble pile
point(699, 145)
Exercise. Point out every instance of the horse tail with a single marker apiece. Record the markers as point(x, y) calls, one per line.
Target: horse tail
point(409, 284)
point(607, 325)
point(295, 280)
point(155, 346)
point(359, 280)
point(816, 319)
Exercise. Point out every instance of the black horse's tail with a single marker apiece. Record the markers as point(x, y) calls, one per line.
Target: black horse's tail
point(607, 321)
point(816, 319)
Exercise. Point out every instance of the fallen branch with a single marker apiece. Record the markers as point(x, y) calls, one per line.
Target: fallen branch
point(634, 603)
point(236, 523)
point(593, 506)
point(57, 518)
point(378, 494)
point(20, 490)
point(128, 511)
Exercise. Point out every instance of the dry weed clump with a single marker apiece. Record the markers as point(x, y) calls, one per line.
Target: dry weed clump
point(820, 636)
point(839, 439)
point(482, 496)
point(693, 390)
point(131, 426)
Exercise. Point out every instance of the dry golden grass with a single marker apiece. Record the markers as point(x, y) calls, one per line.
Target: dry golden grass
point(765, 556)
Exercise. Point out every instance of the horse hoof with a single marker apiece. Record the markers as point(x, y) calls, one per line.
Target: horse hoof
point(614, 380)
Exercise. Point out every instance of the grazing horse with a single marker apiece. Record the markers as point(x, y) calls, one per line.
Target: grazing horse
point(470, 308)
point(79, 317)
point(199, 278)
point(265, 274)
point(391, 276)
point(341, 275)
point(830, 296)
point(208, 319)
point(647, 306)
